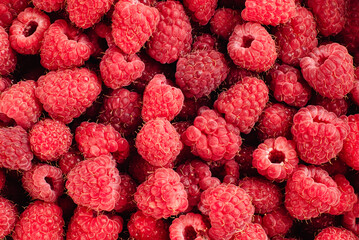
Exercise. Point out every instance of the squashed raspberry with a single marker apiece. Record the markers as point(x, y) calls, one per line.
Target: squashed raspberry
point(224, 21)
point(190, 225)
point(8, 216)
point(8, 58)
point(335, 233)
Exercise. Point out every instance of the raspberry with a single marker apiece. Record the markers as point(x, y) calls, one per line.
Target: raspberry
point(310, 229)
point(201, 72)
point(350, 32)
point(158, 142)
point(49, 5)
point(189, 226)
point(244, 160)
point(226, 170)
point(8, 58)
point(229, 209)
point(243, 103)
point(277, 222)
point(333, 233)
point(68, 161)
point(297, 38)
point(266, 196)
point(204, 42)
point(337, 106)
point(95, 183)
point(235, 75)
point(251, 231)
point(20, 103)
point(310, 191)
point(133, 23)
point(65, 94)
point(88, 224)
point(6, 14)
point(191, 106)
point(160, 99)
point(201, 11)
point(224, 21)
point(44, 182)
point(350, 153)
point(172, 38)
point(2, 179)
point(8, 217)
point(40, 219)
point(251, 47)
point(27, 31)
point(349, 220)
point(15, 152)
point(64, 46)
point(162, 194)
point(128, 189)
point(329, 70)
point(142, 227)
point(335, 166)
point(354, 93)
point(318, 134)
point(5, 83)
point(49, 139)
point(289, 86)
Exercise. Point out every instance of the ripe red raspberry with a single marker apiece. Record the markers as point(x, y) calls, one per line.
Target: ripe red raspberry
point(251, 47)
point(5, 83)
point(40, 219)
point(336, 233)
point(318, 134)
point(201, 11)
point(337, 106)
point(191, 106)
point(349, 220)
point(64, 46)
point(204, 42)
point(350, 32)
point(27, 31)
point(172, 38)
point(88, 224)
point(20, 103)
point(251, 231)
point(68, 161)
point(158, 142)
point(9, 9)
point(162, 194)
point(8, 217)
point(224, 21)
point(309, 192)
point(15, 151)
point(335, 166)
point(289, 86)
point(65, 94)
point(201, 72)
point(133, 23)
point(243, 103)
point(191, 225)
point(229, 209)
point(277, 222)
point(335, 83)
point(297, 37)
point(8, 58)
point(350, 152)
point(142, 227)
point(44, 182)
point(128, 189)
point(95, 183)
point(354, 93)
point(235, 75)
point(49, 5)
point(266, 196)
point(244, 160)
point(276, 158)
point(226, 171)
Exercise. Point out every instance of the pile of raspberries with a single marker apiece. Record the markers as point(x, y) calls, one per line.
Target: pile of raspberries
point(179, 119)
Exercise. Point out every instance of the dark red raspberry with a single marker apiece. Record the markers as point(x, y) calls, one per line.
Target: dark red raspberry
point(318, 134)
point(8, 58)
point(310, 228)
point(191, 106)
point(2, 179)
point(49, 5)
point(335, 166)
point(277, 222)
point(335, 233)
point(5, 83)
point(69, 160)
point(8, 217)
point(227, 171)
point(191, 225)
point(350, 152)
point(204, 42)
point(128, 189)
point(337, 106)
point(9, 9)
point(251, 231)
point(350, 32)
point(354, 93)
point(235, 75)
point(172, 38)
point(244, 160)
point(224, 21)
point(201, 11)
point(350, 221)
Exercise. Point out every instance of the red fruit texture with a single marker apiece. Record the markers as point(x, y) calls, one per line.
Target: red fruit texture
point(64, 46)
point(95, 183)
point(88, 224)
point(5, 83)
point(20, 103)
point(2, 179)
point(8, 58)
point(244, 160)
point(15, 151)
point(8, 217)
point(310, 191)
point(224, 21)
point(128, 189)
point(49, 5)
point(201, 72)
point(9, 9)
point(162, 195)
point(172, 38)
point(337, 106)
point(142, 227)
point(160, 99)
point(40, 219)
point(49, 139)
point(315, 225)
point(133, 23)
point(226, 170)
point(335, 166)
point(350, 32)
point(296, 38)
point(44, 182)
point(318, 134)
point(251, 231)
point(354, 93)
point(251, 47)
point(65, 94)
point(229, 209)
point(349, 220)
point(243, 103)
point(329, 70)
point(335, 233)
point(68, 161)
point(201, 10)
point(190, 225)
point(235, 75)
point(158, 142)
point(350, 152)
point(204, 42)
point(191, 106)
point(277, 222)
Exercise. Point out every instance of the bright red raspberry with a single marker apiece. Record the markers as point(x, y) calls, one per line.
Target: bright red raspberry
point(229, 209)
point(191, 225)
point(277, 222)
point(318, 134)
point(329, 70)
point(95, 183)
point(27, 31)
point(224, 21)
point(350, 32)
point(251, 47)
point(142, 227)
point(20, 103)
point(44, 182)
point(172, 38)
point(201, 11)
point(65, 94)
point(337, 106)
point(349, 220)
point(8, 58)
point(201, 72)
point(64, 46)
point(49, 5)
point(204, 42)
point(69, 160)
point(8, 216)
point(251, 231)
point(15, 151)
point(88, 224)
point(243, 103)
point(297, 38)
point(40, 219)
point(350, 152)
point(336, 233)
point(309, 192)
point(162, 194)
point(128, 189)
